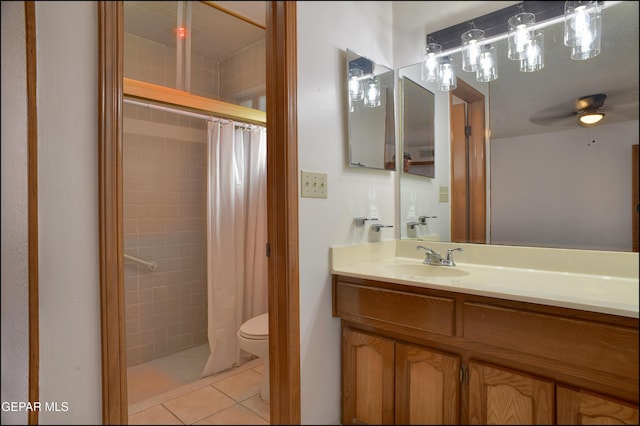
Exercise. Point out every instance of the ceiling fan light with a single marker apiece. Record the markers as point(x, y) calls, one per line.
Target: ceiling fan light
point(590, 118)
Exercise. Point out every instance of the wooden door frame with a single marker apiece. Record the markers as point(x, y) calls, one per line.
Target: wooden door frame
point(282, 206)
point(475, 170)
point(32, 208)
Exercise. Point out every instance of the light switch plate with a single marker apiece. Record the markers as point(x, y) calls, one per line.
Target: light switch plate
point(443, 194)
point(313, 184)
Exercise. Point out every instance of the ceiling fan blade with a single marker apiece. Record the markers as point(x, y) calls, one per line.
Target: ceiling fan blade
point(553, 115)
point(622, 97)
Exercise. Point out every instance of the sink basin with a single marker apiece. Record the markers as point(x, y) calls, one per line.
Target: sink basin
point(421, 270)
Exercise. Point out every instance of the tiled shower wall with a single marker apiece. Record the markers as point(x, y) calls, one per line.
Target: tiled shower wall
point(164, 195)
point(165, 222)
point(239, 79)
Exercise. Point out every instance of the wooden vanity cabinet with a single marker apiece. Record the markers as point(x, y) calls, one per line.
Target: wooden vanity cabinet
point(501, 397)
point(412, 355)
point(389, 382)
point(368, 379)
point(577, 407)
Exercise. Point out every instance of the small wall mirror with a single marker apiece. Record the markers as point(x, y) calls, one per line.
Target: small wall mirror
point(370, 94)
point(418, 147)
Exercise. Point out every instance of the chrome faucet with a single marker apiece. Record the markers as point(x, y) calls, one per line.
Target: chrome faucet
point(376, 227)
point(433, 258)
point(423, 219)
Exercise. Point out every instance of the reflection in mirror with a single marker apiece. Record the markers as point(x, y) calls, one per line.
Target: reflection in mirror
point(370, 88)
point(551, 182)
point(417, 129)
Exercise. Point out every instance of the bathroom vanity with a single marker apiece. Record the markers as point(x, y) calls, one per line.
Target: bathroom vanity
point(489, 340)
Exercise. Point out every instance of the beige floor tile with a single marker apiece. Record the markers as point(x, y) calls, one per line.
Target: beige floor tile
point(234, 415)
point(144, 382)
point(156, 377)
point(198, 404)
point(241, 386)
point(157, 415)
point(259, 407)
point(259, 368)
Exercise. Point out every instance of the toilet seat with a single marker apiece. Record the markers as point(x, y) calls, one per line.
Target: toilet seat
point(256, 328)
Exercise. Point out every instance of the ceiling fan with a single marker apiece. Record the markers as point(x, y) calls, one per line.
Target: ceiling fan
point(590, 110)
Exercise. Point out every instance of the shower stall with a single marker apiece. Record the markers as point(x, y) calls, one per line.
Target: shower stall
point(183, 291)
point(194, 230)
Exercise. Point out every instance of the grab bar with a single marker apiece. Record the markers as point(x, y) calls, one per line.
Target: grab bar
point(151, 265)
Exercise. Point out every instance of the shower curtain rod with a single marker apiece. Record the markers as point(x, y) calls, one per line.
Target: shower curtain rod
point(187, 113)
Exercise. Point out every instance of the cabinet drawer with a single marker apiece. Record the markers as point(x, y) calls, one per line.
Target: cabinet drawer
point(590, 344)
point(392, 309)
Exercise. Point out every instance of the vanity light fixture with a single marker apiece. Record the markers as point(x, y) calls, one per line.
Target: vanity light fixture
point(356, 86)
point(532, 58)
point(372, 93)
point(520, 34)
point(447, 79)
point(582, 28)
point(429, 68)
point(523, 31)
point(471, 48)
point(487, 69)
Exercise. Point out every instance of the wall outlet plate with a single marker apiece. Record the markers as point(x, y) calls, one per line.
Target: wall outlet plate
point(313, 184)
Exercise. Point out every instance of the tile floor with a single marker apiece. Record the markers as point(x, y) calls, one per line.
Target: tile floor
point(229, 397)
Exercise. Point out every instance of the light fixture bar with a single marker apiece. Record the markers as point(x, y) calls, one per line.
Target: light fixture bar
point(443, 40)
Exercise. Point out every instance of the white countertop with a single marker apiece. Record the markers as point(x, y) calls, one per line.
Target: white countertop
point(609, 294)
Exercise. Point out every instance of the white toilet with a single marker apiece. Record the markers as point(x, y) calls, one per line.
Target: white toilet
point(253, 337)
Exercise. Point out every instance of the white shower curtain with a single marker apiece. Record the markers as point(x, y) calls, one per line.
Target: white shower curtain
point(236, 236)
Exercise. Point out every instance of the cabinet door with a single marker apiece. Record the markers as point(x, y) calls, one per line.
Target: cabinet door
point(367, 378)
point(580, 408)
point(427, 386)
point(501, 396)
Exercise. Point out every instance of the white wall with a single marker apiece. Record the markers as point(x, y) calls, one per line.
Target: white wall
point(70, 362)
point(564, 189)
point(15, 277)
point(325, 31)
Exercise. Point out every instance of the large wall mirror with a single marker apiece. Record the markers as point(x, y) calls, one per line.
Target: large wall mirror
point(550, 182)
point(370, 95)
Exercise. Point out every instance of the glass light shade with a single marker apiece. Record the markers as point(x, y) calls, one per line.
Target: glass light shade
point(356, 86)
point(372, 93)
point(487, 64)
point(590, 118)
point(533, 58)
point(586, 41)
point(580, 22)
point(519, 34)
point(471, 49)
point(429, 69)
point(446, 74)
